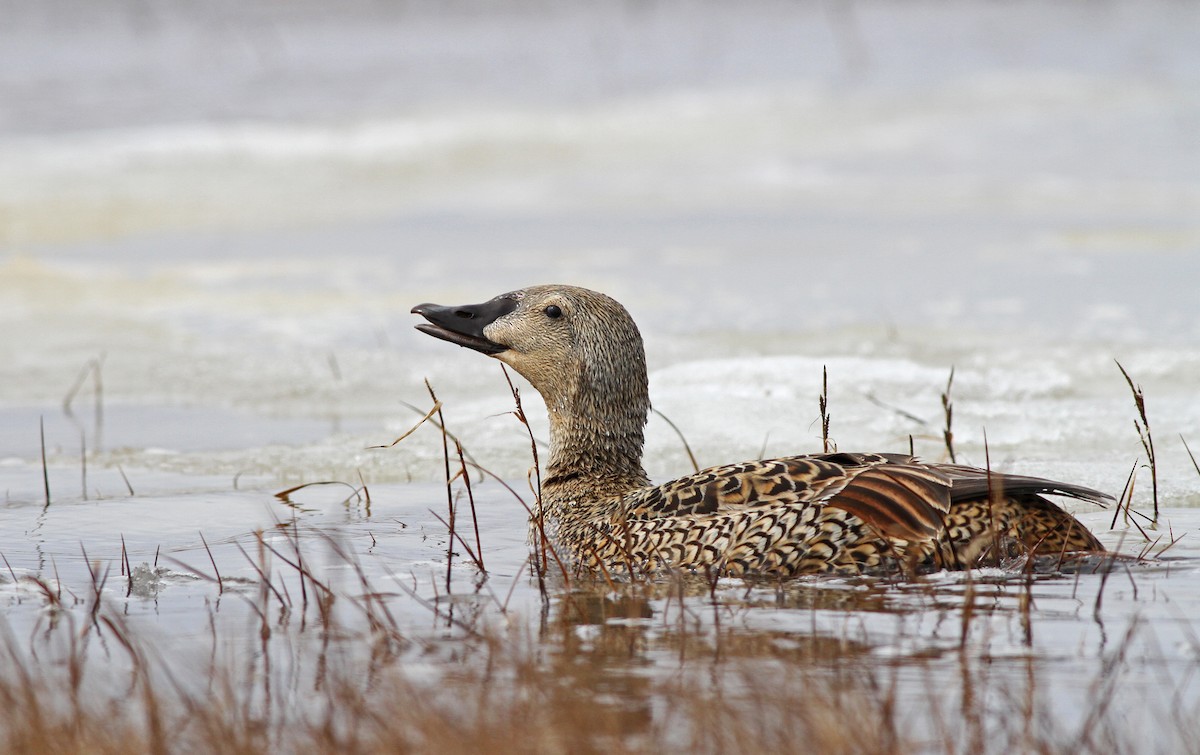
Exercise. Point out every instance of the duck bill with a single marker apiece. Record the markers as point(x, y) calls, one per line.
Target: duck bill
point(464, 325)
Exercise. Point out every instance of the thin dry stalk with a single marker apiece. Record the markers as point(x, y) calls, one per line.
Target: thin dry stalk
point(366, 492)
point(126, 479)
point(193, 570)
point(1025, 604)
point(894, 409)
point(156, 735)
point(98, 583)
point(379, 617)
point(968, 609)
point(437, 409)
point(285, 495)
point(92, 367)
point(541, 563)
point(126, 569)
point(1142, 425)
point(433, 607)
point(462, 461)
point(53, 597)
point(995, 488)
point(1104, 688)
point(213, 561)
point(1126, 496)
point(449, 482)
point(948, 410)
point(264, 580)
point(454, 535)
point(1144, 553)
point(325, 595)
point(8, 566)
point(1133, 520)
point(1104, 575)
point(686, 447)
point(45, 470)
point(1171, 544)
point(436, 424)
point(83, 463)
point(823, 405)
point(513, 585)
point(553, 552)
point(1195, 465)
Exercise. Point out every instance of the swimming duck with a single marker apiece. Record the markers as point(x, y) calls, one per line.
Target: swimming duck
point(834, 512)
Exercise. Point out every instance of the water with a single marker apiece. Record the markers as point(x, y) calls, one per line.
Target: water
point(213, 223)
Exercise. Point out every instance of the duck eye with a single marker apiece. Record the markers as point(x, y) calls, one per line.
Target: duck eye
point(553, 312)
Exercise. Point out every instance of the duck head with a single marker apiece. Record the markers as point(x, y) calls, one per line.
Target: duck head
point(580, 349)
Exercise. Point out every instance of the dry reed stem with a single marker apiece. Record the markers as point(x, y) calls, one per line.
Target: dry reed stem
point(213, 561)
point(366, 492)
point(45, 469)
point(126, 480)
point(91, 367)
point(686, 446)
point(823, 406)
point(543, 541)
point(436, 424)
point(1195, 465)
point(894, 409)
point(449, 482)
point(471, 500)
point(1171, 544)
point(437, 409)
point(1126, 495)
point(995, 488)
point(284, 495)
point(126, 569)
point(83, 464)
point(264, 580)
point(456, 536)
point(948, 411)
point(1143, 430)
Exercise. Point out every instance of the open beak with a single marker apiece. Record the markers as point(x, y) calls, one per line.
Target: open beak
point(464, 325)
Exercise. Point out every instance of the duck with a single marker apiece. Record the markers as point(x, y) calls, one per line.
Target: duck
point(839, 513)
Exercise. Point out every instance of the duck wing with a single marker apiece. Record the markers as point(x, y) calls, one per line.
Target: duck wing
point(896, 495)
point(971, 482)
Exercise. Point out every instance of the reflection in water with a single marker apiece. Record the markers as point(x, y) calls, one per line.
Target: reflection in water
point(306, 626)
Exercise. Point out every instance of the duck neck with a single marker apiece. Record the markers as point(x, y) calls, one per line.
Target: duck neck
point(595, 447)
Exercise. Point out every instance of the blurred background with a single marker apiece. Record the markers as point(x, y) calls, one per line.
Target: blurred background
point(214, 217)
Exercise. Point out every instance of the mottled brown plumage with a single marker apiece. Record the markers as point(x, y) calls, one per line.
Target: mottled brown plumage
point(842, 512)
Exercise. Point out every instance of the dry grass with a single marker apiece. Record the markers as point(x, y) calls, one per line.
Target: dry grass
point(532, 690)
point(630, 667)
point(324, 668)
